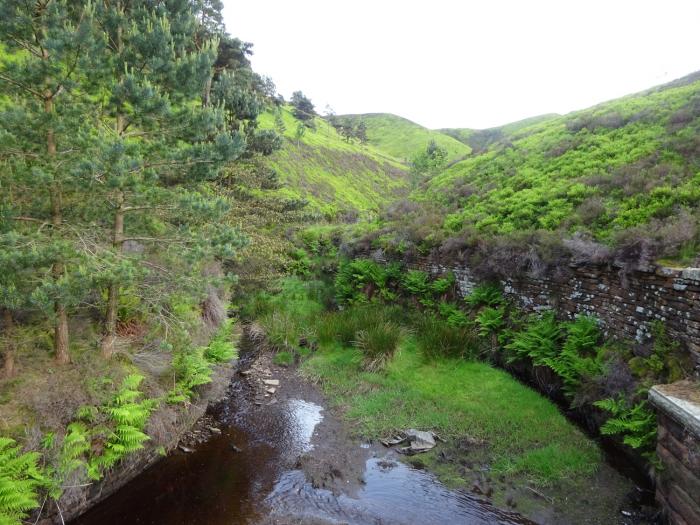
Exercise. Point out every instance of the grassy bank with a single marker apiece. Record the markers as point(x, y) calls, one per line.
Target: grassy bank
point(494, 420)
point(377, 364)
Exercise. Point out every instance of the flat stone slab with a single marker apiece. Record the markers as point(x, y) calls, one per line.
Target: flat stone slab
point(681, 401)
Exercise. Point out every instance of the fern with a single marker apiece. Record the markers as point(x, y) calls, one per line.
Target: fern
point(192, 369)
point(417, 283)
point(636, 424)
point(539, 341)
point(128, 413)
point(443, 285)
point(577, 360)
point(453, 316)
point(221, 347)
point(70, 457)
point(488, 294)
point(490, 320)
point(20, 479)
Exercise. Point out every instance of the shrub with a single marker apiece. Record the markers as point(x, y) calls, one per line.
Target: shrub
point(439, 339)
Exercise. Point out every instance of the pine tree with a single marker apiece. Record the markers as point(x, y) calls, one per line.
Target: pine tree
point(44, 131)
point(154, 66)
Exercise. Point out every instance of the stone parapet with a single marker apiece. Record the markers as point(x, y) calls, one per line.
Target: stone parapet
point(678, 449)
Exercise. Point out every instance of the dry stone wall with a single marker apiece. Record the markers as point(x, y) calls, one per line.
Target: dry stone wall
point(625, 304)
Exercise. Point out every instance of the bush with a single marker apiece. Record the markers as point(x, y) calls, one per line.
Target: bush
point(439, 339)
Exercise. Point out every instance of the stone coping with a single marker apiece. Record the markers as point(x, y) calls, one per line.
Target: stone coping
point(681, 401)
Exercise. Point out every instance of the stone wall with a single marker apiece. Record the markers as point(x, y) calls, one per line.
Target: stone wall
point(79, 498)
point(625, 305)
point(678, 449)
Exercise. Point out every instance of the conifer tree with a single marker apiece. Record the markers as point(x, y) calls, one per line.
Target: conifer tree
point(44, 130)
point(161, 141)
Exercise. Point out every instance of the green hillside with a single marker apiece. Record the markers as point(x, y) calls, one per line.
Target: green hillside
point(624, 174)
point(333, 175)
point(480, 139)
point(403, 139)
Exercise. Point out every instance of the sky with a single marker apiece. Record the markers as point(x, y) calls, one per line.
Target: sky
point(463, 63)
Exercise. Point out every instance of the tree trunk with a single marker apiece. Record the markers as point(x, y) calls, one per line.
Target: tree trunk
point(61, 341)
point(110, 329)
point(8, 369)
point(109, 337)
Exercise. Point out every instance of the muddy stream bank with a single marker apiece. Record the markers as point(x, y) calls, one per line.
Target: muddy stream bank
point(272, 454)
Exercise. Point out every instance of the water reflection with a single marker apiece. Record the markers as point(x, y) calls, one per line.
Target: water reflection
point(393, 494)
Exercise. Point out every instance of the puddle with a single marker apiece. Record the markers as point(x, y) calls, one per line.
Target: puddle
point(393, 494)
point(303, 418)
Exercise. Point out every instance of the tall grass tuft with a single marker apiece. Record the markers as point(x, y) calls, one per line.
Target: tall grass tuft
point(378, 343)
point(437, 338)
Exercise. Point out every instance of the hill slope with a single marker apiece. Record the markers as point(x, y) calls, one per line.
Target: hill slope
point(622, 177)
point(480, 139)
point(403, 139)
point(331, 174)
point(620, 165)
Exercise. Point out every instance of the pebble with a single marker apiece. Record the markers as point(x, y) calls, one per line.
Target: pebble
point(271, 390)
point(185, 449)
point(271, 382)
point(214, 430)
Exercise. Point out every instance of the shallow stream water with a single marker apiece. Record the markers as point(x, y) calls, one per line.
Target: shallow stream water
point(251, 473)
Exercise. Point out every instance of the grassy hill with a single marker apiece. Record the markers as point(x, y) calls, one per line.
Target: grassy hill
point(403, 139)
point(331, 174)
point(479, 140)
point(623, 175)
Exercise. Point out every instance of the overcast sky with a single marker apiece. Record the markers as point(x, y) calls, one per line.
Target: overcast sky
point(464, 63)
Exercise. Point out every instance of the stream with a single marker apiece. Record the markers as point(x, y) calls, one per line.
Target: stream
point(283, 459)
